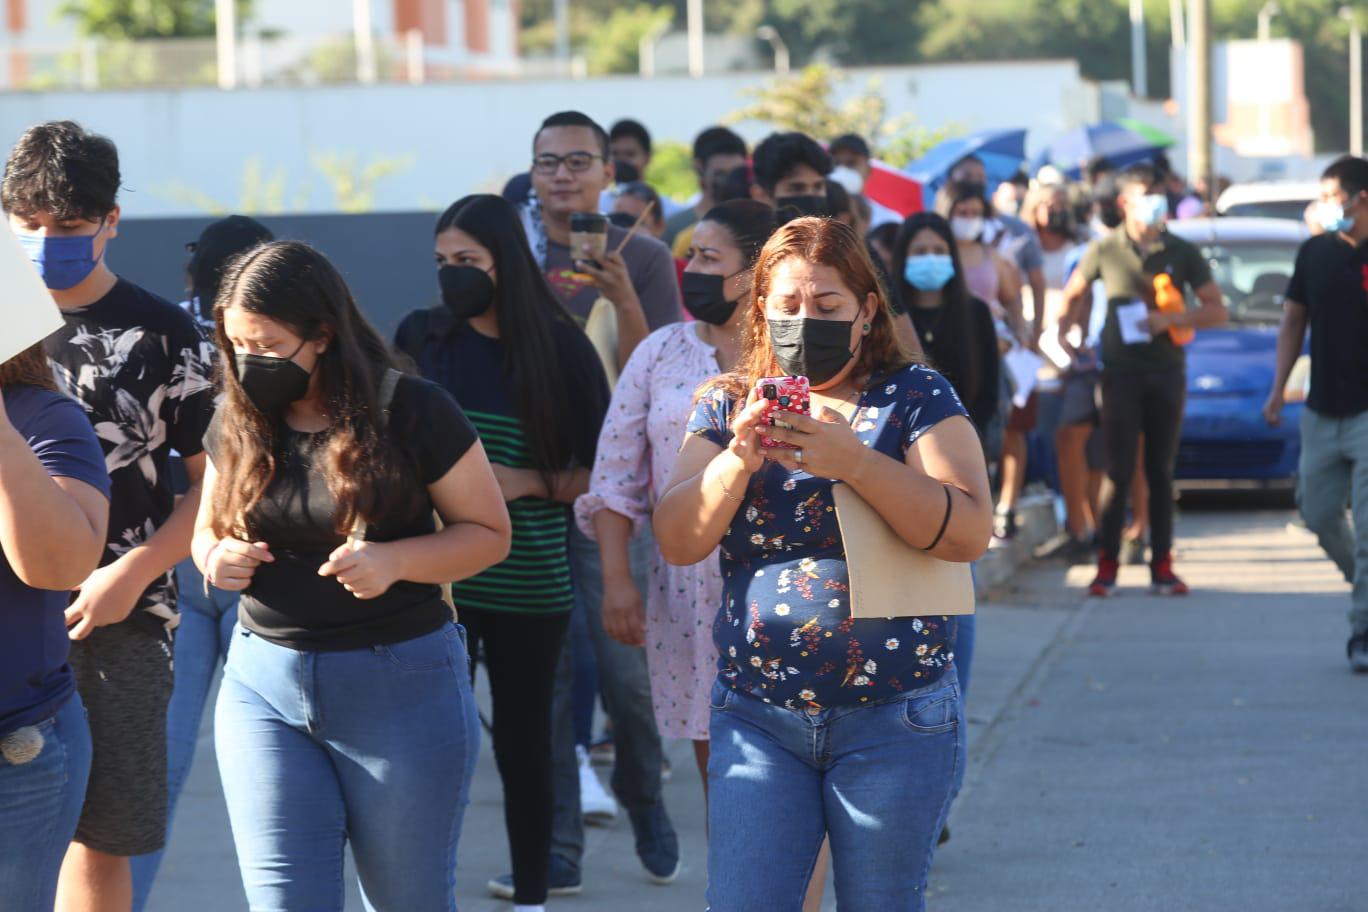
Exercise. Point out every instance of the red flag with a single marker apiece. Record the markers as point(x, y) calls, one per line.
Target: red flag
point(893, 189)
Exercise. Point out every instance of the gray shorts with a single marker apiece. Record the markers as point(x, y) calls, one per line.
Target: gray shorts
point(123, 673)
point(1078, 403)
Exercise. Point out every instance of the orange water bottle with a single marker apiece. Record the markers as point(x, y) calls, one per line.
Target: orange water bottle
point(1169, 299)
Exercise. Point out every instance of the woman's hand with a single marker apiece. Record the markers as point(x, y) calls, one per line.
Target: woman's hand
point(231, 563)
point(624, 614)
point(826, 445)
point(745, 442)
point(365, 569)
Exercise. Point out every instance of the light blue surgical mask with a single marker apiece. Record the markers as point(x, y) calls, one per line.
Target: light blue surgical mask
point(1330, 216)
point(929, 271)
point(63, 262)
point(1152, 209)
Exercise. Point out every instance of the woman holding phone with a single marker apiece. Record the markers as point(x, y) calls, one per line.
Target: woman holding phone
point(878, 696)
point(533, 385)
point(636, 452)
point(345, 713)
point(54, 505)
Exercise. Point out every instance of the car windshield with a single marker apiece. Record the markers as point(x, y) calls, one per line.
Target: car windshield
point(1253, 276)
point(1279, 209)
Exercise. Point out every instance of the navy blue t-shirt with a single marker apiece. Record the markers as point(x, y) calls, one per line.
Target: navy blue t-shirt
point(35, 679)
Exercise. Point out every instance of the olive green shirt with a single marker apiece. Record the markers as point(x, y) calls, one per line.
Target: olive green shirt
point(1128, 275)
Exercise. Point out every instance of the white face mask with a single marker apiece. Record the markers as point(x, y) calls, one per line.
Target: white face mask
point(966, 229)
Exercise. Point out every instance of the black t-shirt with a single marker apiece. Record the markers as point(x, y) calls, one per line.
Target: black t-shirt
point(1331, 281)
point(143, 372)
point(288, 602)
point(949, 357)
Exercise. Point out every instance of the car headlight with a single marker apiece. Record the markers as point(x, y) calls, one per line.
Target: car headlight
point(1299, 381)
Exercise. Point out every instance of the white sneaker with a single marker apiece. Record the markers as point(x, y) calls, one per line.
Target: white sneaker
point(596, 805)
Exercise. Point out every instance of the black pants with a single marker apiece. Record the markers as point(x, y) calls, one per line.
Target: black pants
point(1132, 404)
point(520, 653)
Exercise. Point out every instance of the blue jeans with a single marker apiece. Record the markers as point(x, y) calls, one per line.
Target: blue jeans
point(375, 746)
point(201, 643)
point(40, 802)
point(626, 688)
point(875, 778)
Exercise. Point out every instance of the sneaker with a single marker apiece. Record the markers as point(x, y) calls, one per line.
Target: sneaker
point(1163, 581)
point(563, 880)
point(1133, 552)
point(596, 805)
point(1104, 584)
point(1076, 551)
point(603, 752)
point(1358, 651)
point(1005, 525)
point(656, 844)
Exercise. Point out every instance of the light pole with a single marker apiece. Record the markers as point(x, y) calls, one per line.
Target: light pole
point(1139, 65)
point(1266, 14)
point(696, 35)
point(225, 39)
point(1199, 91)
point(646, 64)
point(769, 35)
point(1355, 82)
point(364, 36)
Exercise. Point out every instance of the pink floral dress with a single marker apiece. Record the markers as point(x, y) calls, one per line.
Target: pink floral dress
point(651, 407)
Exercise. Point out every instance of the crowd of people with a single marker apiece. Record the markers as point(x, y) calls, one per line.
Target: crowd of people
point(568, 471)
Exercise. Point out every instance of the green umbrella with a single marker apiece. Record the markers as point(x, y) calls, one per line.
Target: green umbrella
point(1156, 136)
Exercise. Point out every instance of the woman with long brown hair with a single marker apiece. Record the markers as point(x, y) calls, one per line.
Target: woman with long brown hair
point(54, 506)
point(345, 713)
point(822, 724)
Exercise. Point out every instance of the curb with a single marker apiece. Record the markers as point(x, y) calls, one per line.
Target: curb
point(1036, 525)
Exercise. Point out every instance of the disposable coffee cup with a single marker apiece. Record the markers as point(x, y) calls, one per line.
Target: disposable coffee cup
point(588, 237)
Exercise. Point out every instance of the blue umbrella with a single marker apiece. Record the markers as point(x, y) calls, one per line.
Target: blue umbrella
point(1117, 144)
point(1002, 152)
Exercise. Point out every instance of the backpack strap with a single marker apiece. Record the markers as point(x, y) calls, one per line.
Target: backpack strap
point(385, 399)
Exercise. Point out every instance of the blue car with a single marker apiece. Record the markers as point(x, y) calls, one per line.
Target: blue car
point(1226, 443)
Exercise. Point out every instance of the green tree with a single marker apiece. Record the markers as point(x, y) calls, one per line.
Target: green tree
point(615, 45)
point(139, 19)
point(806, 102)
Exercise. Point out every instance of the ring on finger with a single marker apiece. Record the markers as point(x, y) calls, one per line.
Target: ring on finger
point(798, 456)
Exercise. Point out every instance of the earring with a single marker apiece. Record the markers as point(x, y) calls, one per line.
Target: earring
point(866, 329)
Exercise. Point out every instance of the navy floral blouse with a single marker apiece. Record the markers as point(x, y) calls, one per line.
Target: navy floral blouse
point(784, 631)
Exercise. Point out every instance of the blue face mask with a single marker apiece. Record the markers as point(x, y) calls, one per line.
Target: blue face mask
point(929, 271)
point(1152, 209)
point(1331, 217)
point(63, 262)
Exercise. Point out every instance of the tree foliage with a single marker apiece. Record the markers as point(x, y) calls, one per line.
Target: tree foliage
point(141, 19)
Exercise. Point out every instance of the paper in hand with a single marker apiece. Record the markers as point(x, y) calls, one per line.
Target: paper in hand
point(30, 314)
point(1132, 319)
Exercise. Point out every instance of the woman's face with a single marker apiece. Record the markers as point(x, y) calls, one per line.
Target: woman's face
point(628, 204)
point(927, 241)
point(811, 291)
point(255, 334)
point(967, 208)
point(714, 252)
point(456, 248)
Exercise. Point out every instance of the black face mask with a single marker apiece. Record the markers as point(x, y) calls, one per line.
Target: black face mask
point(816, 349)
point(1059, 223)
point(467, 291)
point(625, 173)
point(705, 300)
point(806, 205)
point(272, 383)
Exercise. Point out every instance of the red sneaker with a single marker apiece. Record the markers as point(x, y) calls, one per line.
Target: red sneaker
point(1105, 582)
point(1163, 581)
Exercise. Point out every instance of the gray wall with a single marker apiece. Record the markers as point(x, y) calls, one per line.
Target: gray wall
point(386, 258)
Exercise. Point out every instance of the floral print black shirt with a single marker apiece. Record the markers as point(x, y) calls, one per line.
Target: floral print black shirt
point(141, 369)
point(784, 631)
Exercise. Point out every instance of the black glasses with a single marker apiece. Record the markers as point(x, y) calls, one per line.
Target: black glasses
point(191, 246)
point(575, 162)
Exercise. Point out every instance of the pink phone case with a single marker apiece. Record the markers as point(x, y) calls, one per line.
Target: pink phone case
point(785, 394)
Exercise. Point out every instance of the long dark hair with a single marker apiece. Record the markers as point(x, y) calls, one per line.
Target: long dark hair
point(750, 224)
point(527, 312)
point(957, 352)
point(295, 285)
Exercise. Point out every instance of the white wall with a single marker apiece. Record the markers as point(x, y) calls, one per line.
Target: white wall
point(465, 137)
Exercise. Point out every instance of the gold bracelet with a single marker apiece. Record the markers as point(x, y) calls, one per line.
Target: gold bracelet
point(729, 495)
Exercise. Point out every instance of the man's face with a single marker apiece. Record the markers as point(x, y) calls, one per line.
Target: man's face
point(849, 158)
point(969, 171)
point(801, 180)
point(561, 189)
point(43, 224)
point(627, 150)
point(1139, 205)
point(715, 170)
point(1331, 192)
